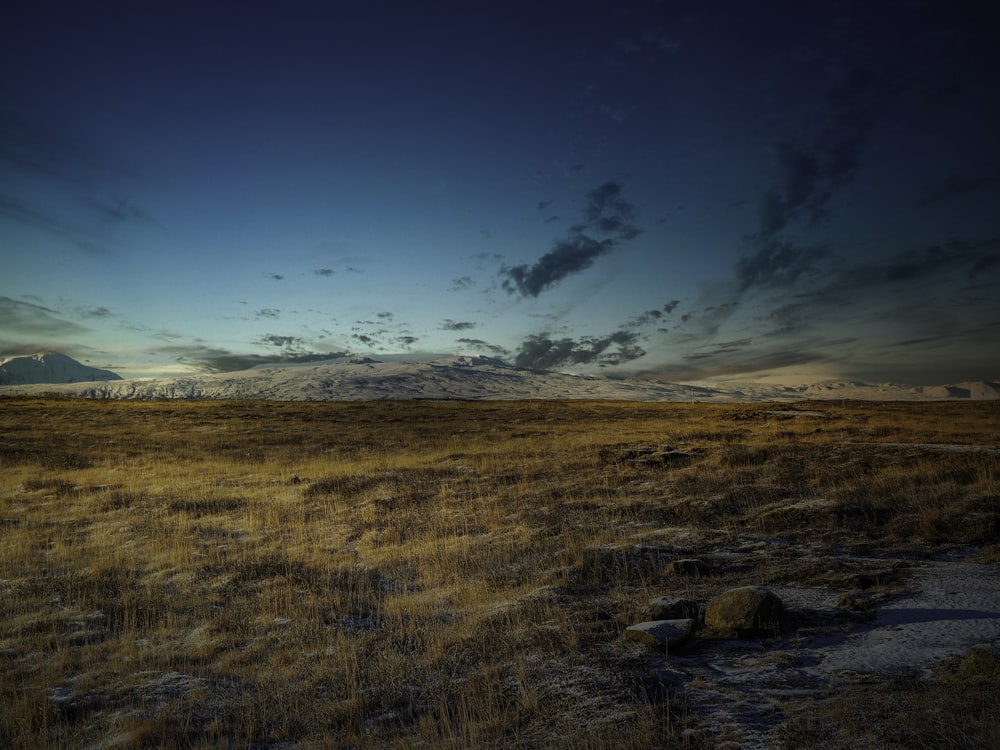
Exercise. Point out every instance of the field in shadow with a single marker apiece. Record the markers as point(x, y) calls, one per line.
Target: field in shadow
point(461, 574)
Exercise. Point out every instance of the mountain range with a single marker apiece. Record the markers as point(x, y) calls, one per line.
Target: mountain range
point(479, 378)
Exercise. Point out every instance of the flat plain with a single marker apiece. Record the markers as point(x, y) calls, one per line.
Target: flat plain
point(463, 573)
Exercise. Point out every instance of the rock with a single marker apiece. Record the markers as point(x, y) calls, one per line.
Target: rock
point(982, 660)
point(668, 608)
point(749, 609)
point(688, 568)
point(660, 633)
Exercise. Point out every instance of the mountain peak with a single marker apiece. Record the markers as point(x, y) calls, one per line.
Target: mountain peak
point(49, 367)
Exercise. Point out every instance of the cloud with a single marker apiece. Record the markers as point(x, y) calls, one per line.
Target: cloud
point(951, 187)
point(538, 351)
point(984, 265)
point(275, 276)
point(651, 316)
point(407, 341)
point(46, 222)
point(931, 260)
point(323, 272)
point(483, 346)
point(267, 312)
point(457, 325)
point(31, 146)
point(94, 312)
point(777, 264)
point(608, 222)
point(810, 173)
point(462, 282)
point(282, 342)
point(27, 318)
point(568, 256)
point(212, 359)
point(119, 211)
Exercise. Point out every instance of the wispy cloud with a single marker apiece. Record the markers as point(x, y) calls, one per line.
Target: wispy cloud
point(777, 263)
point(28, 322)
point(45, 221)
point(608, 221)
point(952, 187)
point(812, 170)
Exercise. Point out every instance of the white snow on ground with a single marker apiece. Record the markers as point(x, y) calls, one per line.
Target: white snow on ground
point(953, 606)
point(473, 378)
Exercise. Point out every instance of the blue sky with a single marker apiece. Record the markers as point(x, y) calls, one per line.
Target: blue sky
point(688, 190)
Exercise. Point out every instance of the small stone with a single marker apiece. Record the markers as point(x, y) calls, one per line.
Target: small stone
point(660, 633)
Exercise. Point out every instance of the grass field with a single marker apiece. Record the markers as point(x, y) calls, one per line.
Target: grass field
point(446, 574)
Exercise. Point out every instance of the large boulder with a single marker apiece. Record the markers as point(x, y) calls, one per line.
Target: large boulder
point(745, 610)
point(982, 660)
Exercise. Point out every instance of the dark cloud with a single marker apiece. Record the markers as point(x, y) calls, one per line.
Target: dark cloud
point(407, 341)
point(927, 261)
point(462, 282)
point(384, 315)
point(282, 342)
point(608, 223)
point(324, 272)
point(984, 265)
point(951, 187)
point(267, 312)
point(651, 316)
point(568, 256)
point(543, 353)
point(777, 264)
point(457, 325)
point(809, 173)
point(211, 359)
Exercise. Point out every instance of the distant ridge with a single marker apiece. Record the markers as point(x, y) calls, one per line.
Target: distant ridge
point(50, 368)
point(477, 378)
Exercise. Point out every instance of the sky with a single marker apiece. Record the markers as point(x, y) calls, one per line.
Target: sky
point(774, 191)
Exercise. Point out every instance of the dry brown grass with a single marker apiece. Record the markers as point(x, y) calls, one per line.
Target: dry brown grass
point(398, 574)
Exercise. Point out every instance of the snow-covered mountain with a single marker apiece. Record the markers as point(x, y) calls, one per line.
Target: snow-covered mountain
point(480, 378)
point(49, 367)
